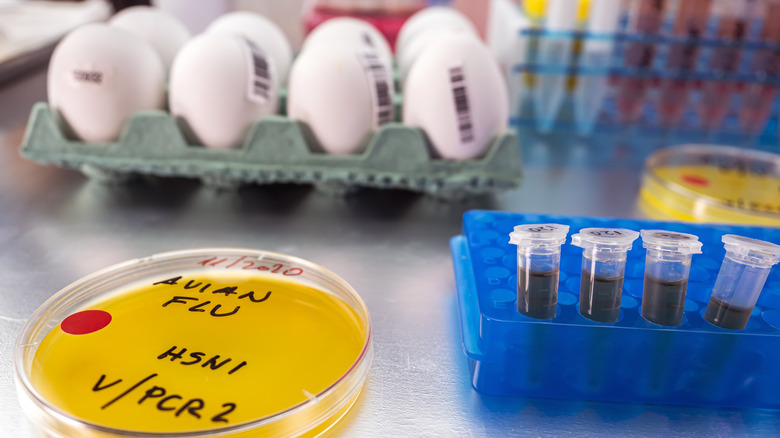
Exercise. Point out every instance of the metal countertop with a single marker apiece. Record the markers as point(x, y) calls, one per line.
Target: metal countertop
point(56, 226)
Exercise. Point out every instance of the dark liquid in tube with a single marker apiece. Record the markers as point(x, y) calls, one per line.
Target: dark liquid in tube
point(537, 293)
point(663, 302)
point(725, 315)
point(600, 297)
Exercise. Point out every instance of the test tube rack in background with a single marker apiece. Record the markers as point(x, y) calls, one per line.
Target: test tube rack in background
point(704, 67)
point(631, 360)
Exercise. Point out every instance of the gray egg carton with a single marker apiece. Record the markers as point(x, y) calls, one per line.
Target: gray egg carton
point(275, 151)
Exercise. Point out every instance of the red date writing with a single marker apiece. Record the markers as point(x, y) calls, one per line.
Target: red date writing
point(248, 265)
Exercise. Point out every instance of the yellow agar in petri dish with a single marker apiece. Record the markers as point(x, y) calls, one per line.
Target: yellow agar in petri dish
point(200, 350)
point(712, 184)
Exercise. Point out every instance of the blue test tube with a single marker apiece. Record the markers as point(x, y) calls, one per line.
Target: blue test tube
point(690, 23)
point(647, 19)
point(758, 98)
point(735, 18)
point(554, 52)
point(596, 55)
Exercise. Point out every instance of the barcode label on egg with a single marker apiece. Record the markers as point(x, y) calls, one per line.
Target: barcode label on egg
point(89, 75)
point(462, 109)
point(259, 75)
point(379, 81)
point(367, 39)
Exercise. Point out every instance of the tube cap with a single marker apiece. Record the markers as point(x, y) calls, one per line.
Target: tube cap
point(663, 240)
point(605, 239)
point(752, 251)
point(539, 234)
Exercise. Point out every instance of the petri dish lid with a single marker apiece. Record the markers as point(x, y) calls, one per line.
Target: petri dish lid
point(671, 241)
point(216, 342)
point(752, 251)
point(708, 183)
point(605, 239)
point(539, 234)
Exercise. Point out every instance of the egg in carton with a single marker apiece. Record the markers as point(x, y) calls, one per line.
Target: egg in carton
point(340, 131)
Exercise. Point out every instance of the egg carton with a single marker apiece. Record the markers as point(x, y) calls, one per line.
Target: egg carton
point(276, 150)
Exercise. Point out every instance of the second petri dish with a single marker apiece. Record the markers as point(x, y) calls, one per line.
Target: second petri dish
point(213, 342)
point(708, 183)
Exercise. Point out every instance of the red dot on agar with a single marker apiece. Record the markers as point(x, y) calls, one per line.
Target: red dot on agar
point(85, 322)
point(696, 180)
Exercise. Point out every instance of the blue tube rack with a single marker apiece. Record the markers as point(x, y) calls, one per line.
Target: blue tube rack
point(702, 72)
point(632, 360)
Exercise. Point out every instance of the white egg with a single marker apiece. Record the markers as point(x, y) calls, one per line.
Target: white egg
point(162, 30)
point(421, 41)
point(263, 32)
point(352, 31)
point(342, 94)
point(98, 77)
point(456, 94)
point(431, 18)
point(220, 85)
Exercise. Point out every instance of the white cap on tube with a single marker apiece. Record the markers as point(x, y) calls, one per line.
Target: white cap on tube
point(662, 240)
point(752, 252)
point(608, 240)
point(539, 235)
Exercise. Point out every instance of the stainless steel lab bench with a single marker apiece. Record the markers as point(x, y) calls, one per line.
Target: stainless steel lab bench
point(57, 226)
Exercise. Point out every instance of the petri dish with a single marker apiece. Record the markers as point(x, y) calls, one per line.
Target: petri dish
point(715, 184)
point(206, 342)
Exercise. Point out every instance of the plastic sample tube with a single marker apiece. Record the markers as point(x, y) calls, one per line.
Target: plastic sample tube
point(734, 20)
point(690, 23)
point(596, 55)
point(603, 267)
point(648, 18)
point(757, 98)
point(554, 52)
point(740, 280)
point(538, 264)
point(667, 266)
point(510, 46)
